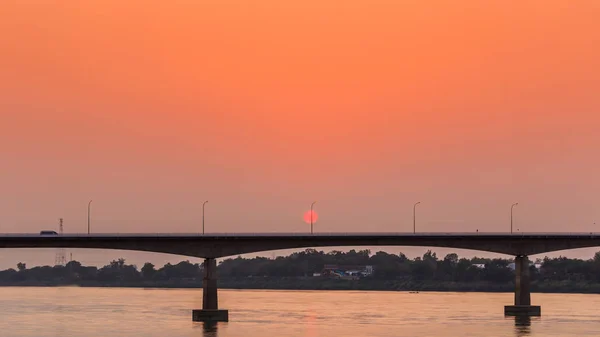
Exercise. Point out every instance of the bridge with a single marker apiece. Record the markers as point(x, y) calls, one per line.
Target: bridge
point(215, 245)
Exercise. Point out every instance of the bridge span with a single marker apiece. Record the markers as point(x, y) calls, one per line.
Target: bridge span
point(215, 245)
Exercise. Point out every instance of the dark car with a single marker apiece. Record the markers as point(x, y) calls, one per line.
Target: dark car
point(48, 233)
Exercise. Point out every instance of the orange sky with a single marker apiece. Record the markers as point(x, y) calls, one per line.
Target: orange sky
point(261, 107)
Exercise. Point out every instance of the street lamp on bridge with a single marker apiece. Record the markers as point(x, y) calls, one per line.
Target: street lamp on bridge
point(89, 209)
point(311, 216)
point(415, 217)
point(511, 216)
point(203, 216)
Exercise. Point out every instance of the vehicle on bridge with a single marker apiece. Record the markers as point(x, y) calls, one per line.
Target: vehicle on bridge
point(48, 233)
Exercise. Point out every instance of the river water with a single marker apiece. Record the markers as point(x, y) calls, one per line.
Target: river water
point(103, 312)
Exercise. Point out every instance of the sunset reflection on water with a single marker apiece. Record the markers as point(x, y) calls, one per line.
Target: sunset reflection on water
point(101, 312)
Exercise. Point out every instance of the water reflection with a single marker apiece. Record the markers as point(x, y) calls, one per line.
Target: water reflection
point(60, 311)
point(522, 325)
point(103, 312)
point(209, 329)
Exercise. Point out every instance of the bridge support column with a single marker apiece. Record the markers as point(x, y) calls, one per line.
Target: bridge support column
point(210, 305)
point(522, 305)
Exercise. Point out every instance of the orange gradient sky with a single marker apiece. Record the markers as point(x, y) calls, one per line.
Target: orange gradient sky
point(261, 107)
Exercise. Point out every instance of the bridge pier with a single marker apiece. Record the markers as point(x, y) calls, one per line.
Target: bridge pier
point(210, 305)
point(522, 305)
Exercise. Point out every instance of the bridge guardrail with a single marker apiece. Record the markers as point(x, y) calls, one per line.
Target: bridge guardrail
point(297, 234)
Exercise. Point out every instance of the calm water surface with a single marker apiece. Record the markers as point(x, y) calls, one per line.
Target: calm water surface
point(95, 312)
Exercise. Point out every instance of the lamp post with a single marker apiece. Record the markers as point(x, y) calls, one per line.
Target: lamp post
point(511, 216)
point(89, 209)
point(203, 216)
point(311, 216)
point(415, 217)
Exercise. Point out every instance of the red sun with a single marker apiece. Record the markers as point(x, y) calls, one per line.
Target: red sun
point(307, 216)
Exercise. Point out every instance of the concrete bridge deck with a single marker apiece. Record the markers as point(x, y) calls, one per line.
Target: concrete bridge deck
point(217, 245)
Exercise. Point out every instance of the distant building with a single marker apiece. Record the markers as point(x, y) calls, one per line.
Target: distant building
point(346, 272)
point(511, 266)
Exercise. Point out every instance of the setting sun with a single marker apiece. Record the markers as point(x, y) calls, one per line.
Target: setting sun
point(307, 216)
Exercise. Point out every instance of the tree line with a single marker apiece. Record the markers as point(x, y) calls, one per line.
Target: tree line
point(295, 271)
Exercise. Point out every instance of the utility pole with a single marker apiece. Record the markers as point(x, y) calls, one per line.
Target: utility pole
point(60, 259)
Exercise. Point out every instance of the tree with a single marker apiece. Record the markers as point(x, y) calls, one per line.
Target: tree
point(21, 266)
point(118, 264)
point(73, 265)
point(497, 271)
point(118, 271)
point(451, 259)
point(424, 269)
point(148, 271)
point(431, 256)
point(447, 267)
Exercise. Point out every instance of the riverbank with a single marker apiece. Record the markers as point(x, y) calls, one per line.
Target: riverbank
point(314, 270)
point(328, 285)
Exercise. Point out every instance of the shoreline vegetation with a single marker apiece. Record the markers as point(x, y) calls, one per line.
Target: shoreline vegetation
point(335, 270)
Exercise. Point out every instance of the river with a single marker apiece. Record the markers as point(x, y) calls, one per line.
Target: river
point(102, 312)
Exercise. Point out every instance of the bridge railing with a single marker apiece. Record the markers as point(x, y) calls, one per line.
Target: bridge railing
point(322, 234)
